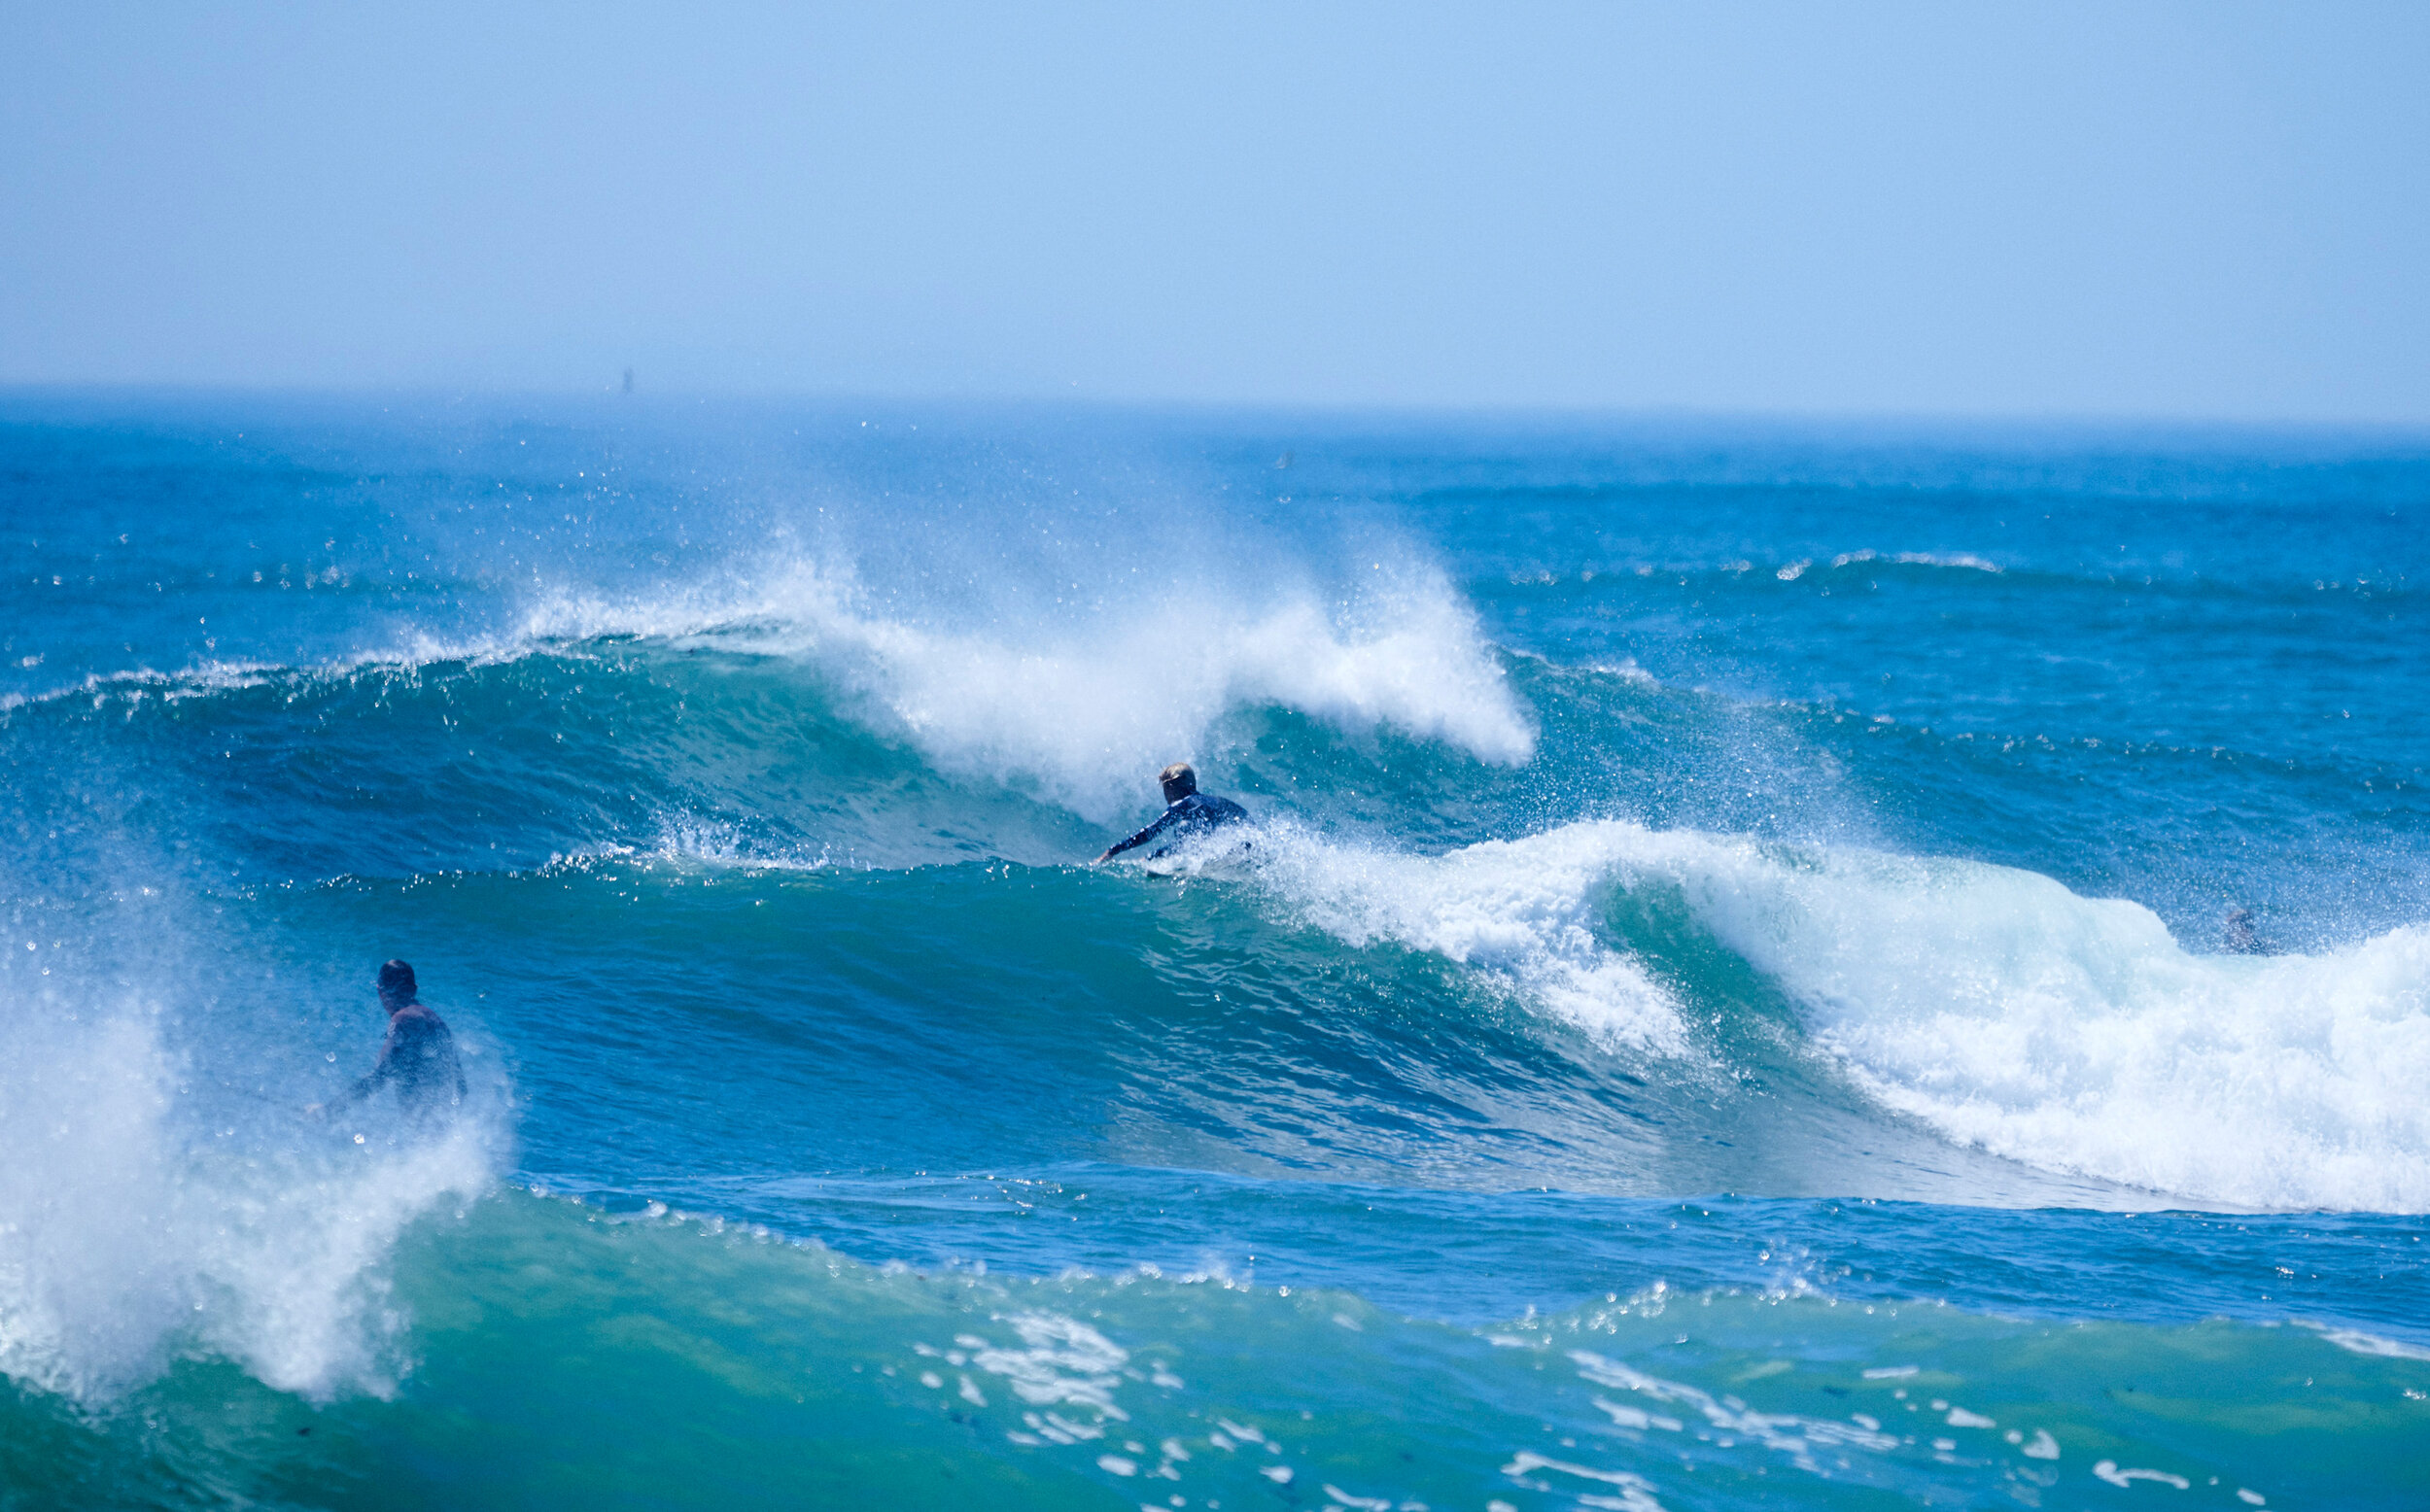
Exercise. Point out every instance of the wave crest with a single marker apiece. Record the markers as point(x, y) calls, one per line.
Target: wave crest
point(2071, 1034)
point(142, 1222)
point(2075, 1033)
point(1084, 718)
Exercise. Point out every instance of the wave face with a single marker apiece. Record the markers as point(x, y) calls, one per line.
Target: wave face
point(1769, 968)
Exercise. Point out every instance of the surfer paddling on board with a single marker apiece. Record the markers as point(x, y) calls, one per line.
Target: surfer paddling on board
point(419, 1057)
point(1188, 812)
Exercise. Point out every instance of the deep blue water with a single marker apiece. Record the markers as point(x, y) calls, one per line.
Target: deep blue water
point(1736, 997)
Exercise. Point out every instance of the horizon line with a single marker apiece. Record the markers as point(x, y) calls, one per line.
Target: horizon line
point(1573, 413)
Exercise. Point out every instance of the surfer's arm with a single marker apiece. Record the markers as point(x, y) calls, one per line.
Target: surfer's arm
point(1142, 838)
point(370, 1081)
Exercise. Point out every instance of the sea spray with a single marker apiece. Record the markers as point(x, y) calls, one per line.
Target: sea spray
point(1525, 911)
point(1081, 717)
point(155, 1207)
point(2077, 1033)
point(731, 772)
point(2071, 1033)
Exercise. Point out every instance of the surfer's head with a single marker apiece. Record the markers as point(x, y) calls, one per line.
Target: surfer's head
point(1179, 780)
point(397, 986)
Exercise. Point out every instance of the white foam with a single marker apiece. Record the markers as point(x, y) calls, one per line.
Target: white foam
point(2356, 1341)
point(1525, 911)
point(1960, 559)
point(1082, 708)
point(2075, 1033)
point(129, 1234)
point(210, 676)
point(87, 1290)
point(719, 845)
point(2070, 1033)
point(1085, 713)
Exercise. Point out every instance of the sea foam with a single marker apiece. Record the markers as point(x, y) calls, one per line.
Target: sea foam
point(2076, 1034)
point(1083, 710)
point(2073, 1034)
point(1524, 911)
point(142, 1221)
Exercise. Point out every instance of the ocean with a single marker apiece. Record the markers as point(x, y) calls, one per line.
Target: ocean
point(1778, 964)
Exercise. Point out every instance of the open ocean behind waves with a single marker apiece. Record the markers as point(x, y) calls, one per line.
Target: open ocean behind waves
point(1735, 1007)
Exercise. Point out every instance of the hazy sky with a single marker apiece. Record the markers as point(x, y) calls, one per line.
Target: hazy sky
point(2207, 209)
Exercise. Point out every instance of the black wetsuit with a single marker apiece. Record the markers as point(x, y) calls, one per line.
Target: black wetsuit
point(419, 1060)
point(1192, 816)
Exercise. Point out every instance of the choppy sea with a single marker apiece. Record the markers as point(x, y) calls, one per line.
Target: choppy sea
point(1780, 965)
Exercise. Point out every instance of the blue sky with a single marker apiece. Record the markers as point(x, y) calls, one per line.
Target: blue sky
point(2186, 210)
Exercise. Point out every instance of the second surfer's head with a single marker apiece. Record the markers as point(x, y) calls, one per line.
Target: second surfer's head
point(397, 986)
point(1179, 781)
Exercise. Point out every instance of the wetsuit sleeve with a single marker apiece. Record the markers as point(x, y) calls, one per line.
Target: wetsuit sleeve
point(386, 1070)
point(1163, 822)
point(419, 1058)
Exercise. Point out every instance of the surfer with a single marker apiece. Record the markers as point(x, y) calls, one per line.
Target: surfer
point(419, 1057)
point(2235, 932)
point(1188, 812)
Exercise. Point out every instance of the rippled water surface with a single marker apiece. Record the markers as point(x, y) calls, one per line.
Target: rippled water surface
point(1774, 967)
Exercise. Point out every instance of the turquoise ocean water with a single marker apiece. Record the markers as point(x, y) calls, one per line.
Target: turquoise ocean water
point(1781, 966)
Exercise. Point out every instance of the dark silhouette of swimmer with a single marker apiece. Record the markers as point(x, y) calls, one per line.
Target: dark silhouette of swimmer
point(419, 1057)
point(1188, 813)
point(2236, 932)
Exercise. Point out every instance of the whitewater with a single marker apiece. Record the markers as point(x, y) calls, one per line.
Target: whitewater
point(1775, 966)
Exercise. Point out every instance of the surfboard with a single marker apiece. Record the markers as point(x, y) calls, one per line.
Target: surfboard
point(1230, 859)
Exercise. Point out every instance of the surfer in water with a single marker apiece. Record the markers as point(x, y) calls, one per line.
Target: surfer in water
point(1188, 812)
point(419, 1057)
point(2236, 932)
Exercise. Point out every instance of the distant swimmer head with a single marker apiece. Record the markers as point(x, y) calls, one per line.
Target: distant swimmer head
point(397, 985)
point(1180, 782)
